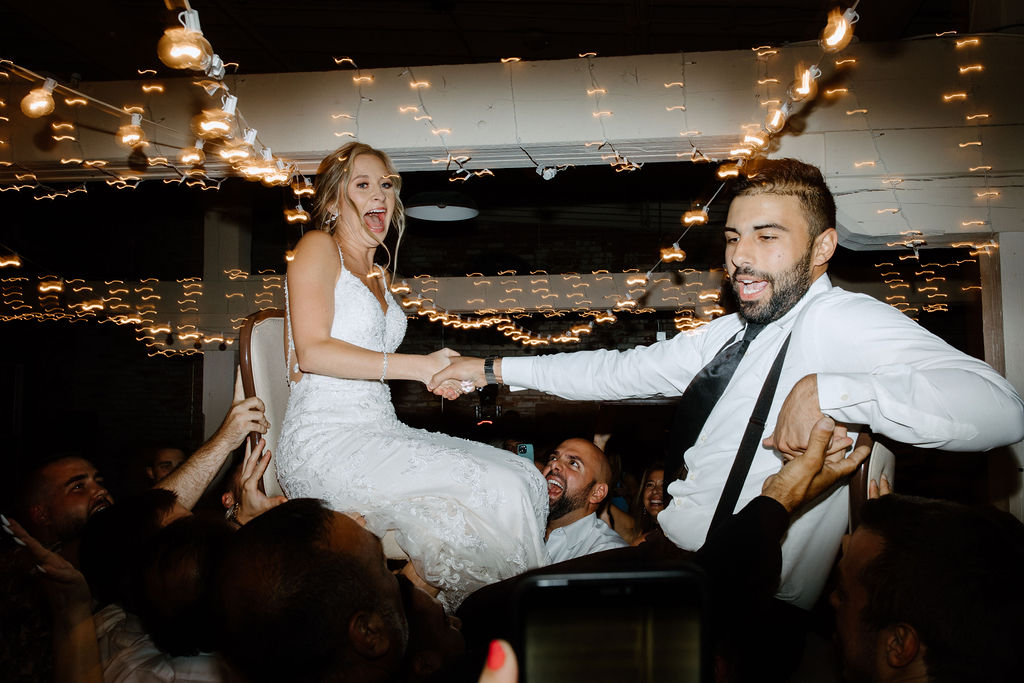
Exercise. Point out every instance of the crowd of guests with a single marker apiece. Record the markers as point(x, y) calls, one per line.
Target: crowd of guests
point(142, 589)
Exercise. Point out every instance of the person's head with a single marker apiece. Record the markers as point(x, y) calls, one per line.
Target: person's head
point(59, 497)
point(435, 639)
point(650, 498)
point(162, 461)
point(932, 589)
point(112, 538)
point(305, 594)
point(357, 191)
point(174, 584)
point(779, 236)
point(578, 477)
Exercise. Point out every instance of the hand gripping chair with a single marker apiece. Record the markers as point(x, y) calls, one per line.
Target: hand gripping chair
point(265, 374)
point(880, 461)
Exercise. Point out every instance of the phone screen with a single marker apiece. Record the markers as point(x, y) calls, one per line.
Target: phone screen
point(635, 626)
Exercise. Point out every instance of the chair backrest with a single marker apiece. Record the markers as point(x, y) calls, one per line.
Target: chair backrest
point(880, 461)
point(265, 374)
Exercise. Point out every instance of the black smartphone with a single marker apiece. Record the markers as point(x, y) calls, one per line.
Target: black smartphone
point(636, 627)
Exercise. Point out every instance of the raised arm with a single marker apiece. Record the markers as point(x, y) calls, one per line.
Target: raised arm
point(312, 275)
point(195, 474)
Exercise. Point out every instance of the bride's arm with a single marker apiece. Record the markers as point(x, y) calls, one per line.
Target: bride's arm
point(312, 275)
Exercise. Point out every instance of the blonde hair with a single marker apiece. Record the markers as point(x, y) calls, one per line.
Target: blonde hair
point(332, 179)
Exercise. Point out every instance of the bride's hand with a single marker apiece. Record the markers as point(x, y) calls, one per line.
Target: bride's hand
point(435, 362)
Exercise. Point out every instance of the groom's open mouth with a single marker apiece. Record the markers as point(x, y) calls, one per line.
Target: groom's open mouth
point(374, 219)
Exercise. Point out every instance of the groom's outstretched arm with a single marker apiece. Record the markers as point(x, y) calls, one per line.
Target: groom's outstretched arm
point(661, 369)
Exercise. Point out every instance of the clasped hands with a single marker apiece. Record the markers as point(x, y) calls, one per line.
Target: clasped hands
point(454, 375)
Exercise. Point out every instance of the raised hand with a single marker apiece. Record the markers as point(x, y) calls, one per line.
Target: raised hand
point(797, 417)
point(807, 475)
point(255, 502)
point(245, 416)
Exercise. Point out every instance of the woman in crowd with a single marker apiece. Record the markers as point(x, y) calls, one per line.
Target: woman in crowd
point(650, 500)
point(466, 514)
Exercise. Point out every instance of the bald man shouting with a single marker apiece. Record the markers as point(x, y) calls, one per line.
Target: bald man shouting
point(578, 477)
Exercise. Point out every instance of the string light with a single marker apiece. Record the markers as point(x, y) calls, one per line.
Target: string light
point(839, 30)
point(184, 47)
point(194, 155)
point(212, 124)
point(131, 135)
point(39, 102)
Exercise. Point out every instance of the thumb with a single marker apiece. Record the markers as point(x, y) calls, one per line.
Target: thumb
point(501, 665)
point(821, 434)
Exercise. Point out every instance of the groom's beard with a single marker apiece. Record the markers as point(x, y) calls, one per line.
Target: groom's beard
point(569, 502)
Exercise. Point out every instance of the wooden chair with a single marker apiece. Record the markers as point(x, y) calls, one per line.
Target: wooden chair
point(265, 374)
point(264, 371)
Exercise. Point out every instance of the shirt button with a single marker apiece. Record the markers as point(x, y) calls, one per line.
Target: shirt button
point(844, 397)
point(703, 439)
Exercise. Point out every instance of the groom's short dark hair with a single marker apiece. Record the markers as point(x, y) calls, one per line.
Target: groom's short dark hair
point(790, 177)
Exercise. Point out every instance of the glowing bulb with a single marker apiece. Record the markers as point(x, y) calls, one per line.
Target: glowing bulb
point(673, 253)
point(193, 156)
point(235, 151)
point(131, 135)
point(39, 102)
point(216, 123)
point(728, 171)
point(839, 30)
point(805, 84)
point(777, 119)
point(184, 47)
point(697, 216)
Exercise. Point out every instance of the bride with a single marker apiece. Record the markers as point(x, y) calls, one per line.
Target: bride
point(465, 513)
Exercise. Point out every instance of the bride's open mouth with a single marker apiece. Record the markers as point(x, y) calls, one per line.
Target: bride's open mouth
point(374, 219)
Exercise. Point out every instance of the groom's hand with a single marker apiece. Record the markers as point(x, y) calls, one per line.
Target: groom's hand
point(461, 369)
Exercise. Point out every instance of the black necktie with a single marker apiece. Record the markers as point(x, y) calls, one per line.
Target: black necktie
point(700, 398)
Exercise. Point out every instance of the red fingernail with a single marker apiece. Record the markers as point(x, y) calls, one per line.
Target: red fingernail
point(496, 656)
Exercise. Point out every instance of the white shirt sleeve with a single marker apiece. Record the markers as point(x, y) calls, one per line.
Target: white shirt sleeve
point(664, 368)
point(890, 373)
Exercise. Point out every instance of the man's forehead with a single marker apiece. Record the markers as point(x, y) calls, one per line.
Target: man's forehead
point(66, 468)
point(750, 211)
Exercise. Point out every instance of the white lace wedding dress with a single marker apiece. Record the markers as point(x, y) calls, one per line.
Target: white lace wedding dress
point(466, 514)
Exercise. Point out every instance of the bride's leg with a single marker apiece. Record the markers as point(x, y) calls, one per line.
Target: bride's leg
point(409, 572)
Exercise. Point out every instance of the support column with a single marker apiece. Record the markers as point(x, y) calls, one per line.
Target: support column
point(227, 239)
point(1002, 280)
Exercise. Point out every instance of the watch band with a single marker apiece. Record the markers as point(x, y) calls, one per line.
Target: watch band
point(489, 370)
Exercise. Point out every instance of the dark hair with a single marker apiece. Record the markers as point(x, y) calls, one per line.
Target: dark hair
point(954, 574)
point(109, 553)
point(174, 585)
point(793, 178)
point(645, 522)
point(286, 599)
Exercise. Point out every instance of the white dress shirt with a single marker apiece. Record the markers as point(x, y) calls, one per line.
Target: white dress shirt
point(583, 537)
point(128, 654)
point(874, 366)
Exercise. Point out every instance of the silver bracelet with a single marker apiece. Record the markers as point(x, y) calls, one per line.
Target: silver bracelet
point(384, 370)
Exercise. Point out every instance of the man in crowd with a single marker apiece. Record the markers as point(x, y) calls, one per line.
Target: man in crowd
point(306, 594)
point(160, 462)
point(930, 591)
point(849, 356)
point(60, 495)
point(578, 476)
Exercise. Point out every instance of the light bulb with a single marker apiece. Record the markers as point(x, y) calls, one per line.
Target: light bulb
point(776, 120)
point(184, 47)
point(193, 156)
point(235, 151)
point(131, 135)
point(839, 30)
point(805, 84)
point(39, 102)
point(213, 124)
point(216, 123)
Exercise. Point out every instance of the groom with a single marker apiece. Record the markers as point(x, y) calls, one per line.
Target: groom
point(849, 356)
